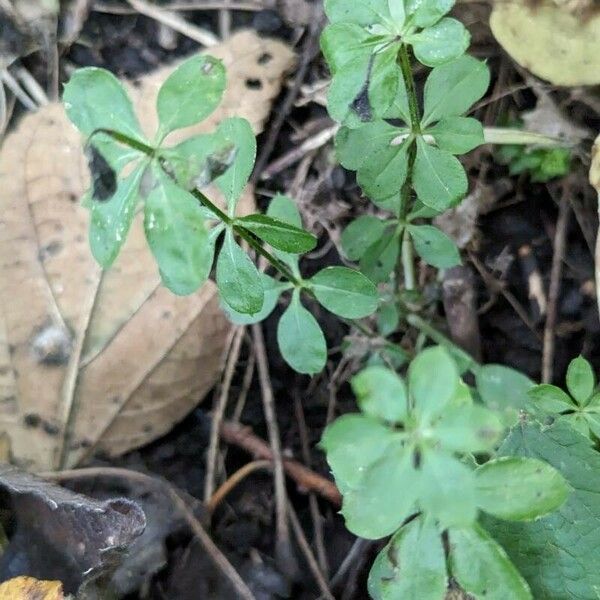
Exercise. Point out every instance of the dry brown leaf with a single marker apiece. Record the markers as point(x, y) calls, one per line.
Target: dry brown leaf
point(28, 588)
point(93, 361)
point(551, 41)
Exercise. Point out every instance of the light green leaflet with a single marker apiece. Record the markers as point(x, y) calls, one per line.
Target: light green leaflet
point(238, 279)
point(434, 246)
point(190, 94)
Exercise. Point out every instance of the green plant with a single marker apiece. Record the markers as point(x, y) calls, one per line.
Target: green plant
point(183, 226)
point(543, 164)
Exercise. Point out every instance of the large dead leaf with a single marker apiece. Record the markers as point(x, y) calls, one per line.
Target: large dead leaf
point(93, 361)
point(551, 41)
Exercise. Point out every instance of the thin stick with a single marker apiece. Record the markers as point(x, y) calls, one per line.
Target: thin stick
point(202, 36)
point(102, 7)
point(232, 482)
point(281, 522)
point(33, 88)
point(312, 500)
point(219, 412)
point(309, 556)
point(560, 237)
point(174, 495)
point(13, 85)
point(243, 437)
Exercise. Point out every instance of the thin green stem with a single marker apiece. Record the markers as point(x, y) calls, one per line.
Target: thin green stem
point(408, 263)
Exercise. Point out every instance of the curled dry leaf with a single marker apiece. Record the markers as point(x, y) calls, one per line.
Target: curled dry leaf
point(103, 361)
point(65, 536)
point(29, 588)
point(551, 41)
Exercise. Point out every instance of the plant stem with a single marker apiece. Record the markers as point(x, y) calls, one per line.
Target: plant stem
point(406, 249)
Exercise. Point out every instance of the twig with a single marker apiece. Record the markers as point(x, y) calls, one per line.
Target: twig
point(243, 437)
point(219, 411)
point(202, 36)
point(103, 7)
point(358, 548)
point(33, 88)
point(13, 85)
point(309, 556)
point(309, 49)
point(283, 546)
point(560, 237)
point(174, 496)
point(312, 500)
point(232, 482)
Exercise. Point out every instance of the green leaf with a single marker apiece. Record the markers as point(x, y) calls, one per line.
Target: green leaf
point(273, 290)
point(383, 173)
point(580, 380)
point(190, 94)
point(482, 567)
point(362, 12)
point(434, 246)
point(364, 88)
point(426, 13)
point(354, 146)
point(447, 491)
point(578, 422)
point(432, 394)
point(344, 42)
point(468, 429)
point(381, 393)
point(232, 182)
point(301, 340)
point(457, 135)
point(593, 422)
point(111, 219)
point(439, 44)
point(238, 279)
point(400, 108)
point(503, 389)
point(345, 292)
point(452, 88)
point(388, 318)
point(550, 398)
point(353, 443)
point(557, 554)
point(360, 234)
point(379, 259)
point(385, 496)
point(284, 209)
point(438, 178)
point(279, 234)
point(412, 565)
point(519, 489)
point(175, 230)
point(95, 99)
point(397, 12)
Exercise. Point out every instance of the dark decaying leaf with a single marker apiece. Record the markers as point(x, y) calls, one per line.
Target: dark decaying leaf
point(62, 535)
point(104, 178)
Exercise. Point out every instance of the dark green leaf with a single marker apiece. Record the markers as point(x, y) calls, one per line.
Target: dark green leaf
point(273, 290)
point(550, 398)
point(190, 94)
point(557, 554)
point(279, 234)
point(457, 134)
point(385, 496)
point(434, 246)
point(284, 209)
point(412, 565)
point(354, 146)
point(383, 173)
point(519, 489)
point(580, 380)
point(344, 42)
point(301, 340)
point(452, 88)
point(380, 258)
point(345, 292)
point(238, 279)
point(111, 219)
point(177, 236)
point(360, 234)
point(438, 178)
point(483, 569)
point(353, 443)
point(381, 393)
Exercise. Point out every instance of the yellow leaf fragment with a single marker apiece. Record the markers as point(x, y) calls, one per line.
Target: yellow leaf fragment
point(29, 588)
